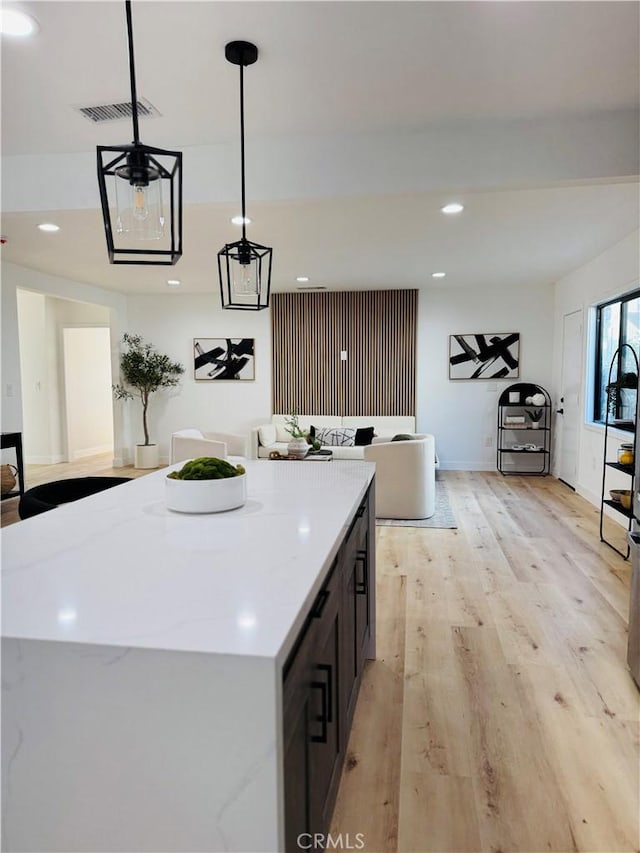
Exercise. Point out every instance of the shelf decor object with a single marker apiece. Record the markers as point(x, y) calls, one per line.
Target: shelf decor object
point(140, 193)
point(244, 268)
point(624, 461)
point(515, 415)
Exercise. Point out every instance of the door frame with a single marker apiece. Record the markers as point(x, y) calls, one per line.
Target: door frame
point(580, 401)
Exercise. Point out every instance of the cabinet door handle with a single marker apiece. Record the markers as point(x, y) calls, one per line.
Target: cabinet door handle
point(325, 716)
point(362, 586)
point(326, 667)
point(361, 510)
point(319, 603)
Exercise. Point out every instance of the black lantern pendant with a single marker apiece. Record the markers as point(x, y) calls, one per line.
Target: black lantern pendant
point(244, 267)
point(140, 193)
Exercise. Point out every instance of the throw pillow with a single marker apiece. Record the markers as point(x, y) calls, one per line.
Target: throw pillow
point(336, 436)
point(267, 435)
point(364, 436)
point(401, 437)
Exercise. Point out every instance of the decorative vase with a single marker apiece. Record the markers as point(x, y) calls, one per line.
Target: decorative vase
point(298, 448)
point(146, 456)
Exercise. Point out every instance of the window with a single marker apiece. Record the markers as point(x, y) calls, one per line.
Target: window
point(617, 323)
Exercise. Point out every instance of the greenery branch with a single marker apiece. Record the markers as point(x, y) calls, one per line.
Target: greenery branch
point(293, 426)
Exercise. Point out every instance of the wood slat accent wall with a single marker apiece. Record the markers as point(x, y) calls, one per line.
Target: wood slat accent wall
point(377, 328)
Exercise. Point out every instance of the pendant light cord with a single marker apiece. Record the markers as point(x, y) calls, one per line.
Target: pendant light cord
point(132, 75)
point(244, 217)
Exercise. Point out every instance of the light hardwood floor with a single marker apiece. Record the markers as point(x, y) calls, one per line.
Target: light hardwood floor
point(499, 715)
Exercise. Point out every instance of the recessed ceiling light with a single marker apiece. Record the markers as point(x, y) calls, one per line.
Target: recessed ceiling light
point(174, 282)
point(454, 207)
point(438, 274)
point(241, 220)
point(16, 23)
point(302, 278)
point(48, 226)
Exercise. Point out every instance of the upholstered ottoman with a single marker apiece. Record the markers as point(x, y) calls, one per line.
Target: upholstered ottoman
point(50, 495)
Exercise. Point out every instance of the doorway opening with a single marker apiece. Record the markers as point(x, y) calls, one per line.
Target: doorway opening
point(65, 366)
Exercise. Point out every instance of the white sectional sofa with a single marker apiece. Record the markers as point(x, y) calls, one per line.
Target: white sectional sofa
point(273, 436)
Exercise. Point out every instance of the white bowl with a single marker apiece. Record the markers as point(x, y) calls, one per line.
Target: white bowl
point(206, 495)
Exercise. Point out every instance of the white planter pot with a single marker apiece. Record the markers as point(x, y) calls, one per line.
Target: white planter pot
point(206, 495)
point(298, 447)
point(146, 456)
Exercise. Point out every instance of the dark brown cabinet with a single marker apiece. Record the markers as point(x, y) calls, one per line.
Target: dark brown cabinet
point(322, 678)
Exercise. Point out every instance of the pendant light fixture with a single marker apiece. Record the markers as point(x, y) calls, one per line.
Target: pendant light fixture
point(244, 267)
point(140, 193)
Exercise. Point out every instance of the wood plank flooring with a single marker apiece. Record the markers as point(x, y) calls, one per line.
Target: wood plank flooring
point(499, 715)
point(35, 475)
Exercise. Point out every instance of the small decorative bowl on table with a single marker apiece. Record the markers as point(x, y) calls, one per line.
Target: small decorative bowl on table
point(206, 484)
point(621, 496)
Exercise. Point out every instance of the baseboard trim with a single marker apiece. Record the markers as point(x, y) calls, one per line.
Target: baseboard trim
point(91, 451)
point(44, 460)
point(467, 466)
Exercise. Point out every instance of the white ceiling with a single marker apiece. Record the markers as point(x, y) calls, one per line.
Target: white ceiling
point(329, 73)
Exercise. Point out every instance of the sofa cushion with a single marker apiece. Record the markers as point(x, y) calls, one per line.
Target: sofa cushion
point(267, 434)
point(364, 436)
point(336, 436)
point(305, 421)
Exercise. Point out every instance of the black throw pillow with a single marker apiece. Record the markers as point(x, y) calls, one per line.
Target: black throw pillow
point(364, 436)
point(402, 437)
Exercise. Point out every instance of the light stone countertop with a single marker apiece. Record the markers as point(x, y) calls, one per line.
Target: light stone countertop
point(120, 569)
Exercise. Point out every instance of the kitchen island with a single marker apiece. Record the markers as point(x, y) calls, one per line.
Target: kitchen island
point(172, 682)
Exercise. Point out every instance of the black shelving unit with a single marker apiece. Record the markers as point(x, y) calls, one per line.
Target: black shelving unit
point(515, 428)
point(14, 439)
point(629, 470)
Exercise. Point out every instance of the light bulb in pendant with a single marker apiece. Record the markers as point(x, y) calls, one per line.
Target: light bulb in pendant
point(245, 278)
point(140, 209)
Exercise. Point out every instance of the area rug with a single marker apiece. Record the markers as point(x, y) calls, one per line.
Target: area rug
point(442, 517)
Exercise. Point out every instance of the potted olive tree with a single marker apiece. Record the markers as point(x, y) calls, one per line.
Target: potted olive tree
point(143, 372)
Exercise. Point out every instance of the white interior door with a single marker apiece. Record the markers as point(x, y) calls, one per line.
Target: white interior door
point(568, 421)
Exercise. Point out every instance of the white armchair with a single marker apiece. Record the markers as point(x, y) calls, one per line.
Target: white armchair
point(191, 443)
point(405, 477)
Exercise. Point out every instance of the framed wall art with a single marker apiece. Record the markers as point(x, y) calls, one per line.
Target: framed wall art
point(488, 355)
point(223, 358)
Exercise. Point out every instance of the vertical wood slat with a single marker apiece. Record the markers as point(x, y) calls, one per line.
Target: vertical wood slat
point(377, 329)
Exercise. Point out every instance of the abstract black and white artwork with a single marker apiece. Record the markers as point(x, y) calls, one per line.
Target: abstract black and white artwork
point(484, 356)
point(223, 358)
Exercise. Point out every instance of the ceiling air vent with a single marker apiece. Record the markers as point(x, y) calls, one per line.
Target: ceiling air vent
point(115, 112)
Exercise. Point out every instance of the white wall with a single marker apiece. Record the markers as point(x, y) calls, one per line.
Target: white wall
point(34, 371)
point(462, 414)
point(610, 274)
point(84, 296)
point(11, 408)
point(170, 322)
